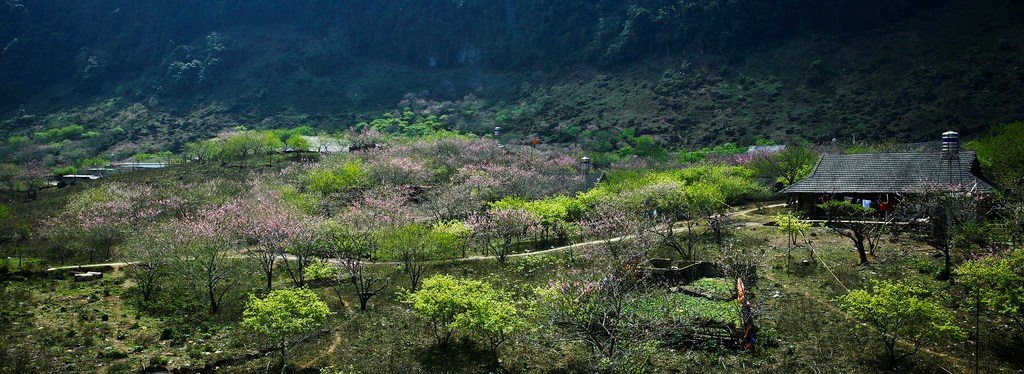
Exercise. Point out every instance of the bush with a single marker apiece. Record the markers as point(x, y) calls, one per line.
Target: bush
point(320, 270)
point(900, 312)
point(452, 304)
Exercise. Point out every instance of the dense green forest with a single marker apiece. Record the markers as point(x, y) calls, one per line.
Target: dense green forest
point(150, 76)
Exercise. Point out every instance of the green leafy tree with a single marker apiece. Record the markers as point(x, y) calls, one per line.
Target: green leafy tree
point(298, 143)
point(285, 314)
point(246, 145)
point(954, 214)
point(452, 235)
point(900, 312)
point(414, 245)
point(349, 173)
point(555, 212)
point(204, 150)
point(851, 221)
point(150, 253)
point(707, 201)
point(452, 304)
point(794, 227)
point(8, 175)
point(786, 166)
point(999, 281)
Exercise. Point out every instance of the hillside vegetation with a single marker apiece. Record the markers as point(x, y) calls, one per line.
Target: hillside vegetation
point(145, 77)
point(441, 252)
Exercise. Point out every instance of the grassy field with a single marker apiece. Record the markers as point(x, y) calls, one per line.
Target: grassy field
point(56, 325)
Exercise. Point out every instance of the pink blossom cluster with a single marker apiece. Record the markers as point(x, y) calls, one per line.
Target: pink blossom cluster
point(509, 224)
point(379, 207)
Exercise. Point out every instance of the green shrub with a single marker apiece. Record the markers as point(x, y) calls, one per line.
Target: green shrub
point(900, 312)
point(452, 304)
point(320, 270)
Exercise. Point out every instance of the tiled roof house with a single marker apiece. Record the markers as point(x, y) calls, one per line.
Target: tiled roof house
point(884, 176)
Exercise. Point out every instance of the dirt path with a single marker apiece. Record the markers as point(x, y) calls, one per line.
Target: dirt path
point(86, 267)
point(735, 214)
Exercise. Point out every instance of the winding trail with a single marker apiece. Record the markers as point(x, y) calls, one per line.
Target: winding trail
point(738, 213)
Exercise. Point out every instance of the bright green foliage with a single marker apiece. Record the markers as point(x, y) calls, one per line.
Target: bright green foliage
point(616, 181)
point(246, 144)
point(727, 149)
point(790, 224)
point(687, 308)
point(787, 166)
point(414, 246)
point(643, 146)
point(204, 150)
point(320, 270)
point(4, 212)
point(705, 198)
point(452, 304)
point(92, 162)
point(306, 202)
point(837, 208)
point(298, 143)
point(663, 198)
point(450, 231)
point(794, 227)
point(348, 174)
point(553, 210)
point(999, 281)
point(286, 135)
point(735, 182)
point(17, 140)
point(646, 147)
point(62, 133)
point(451, 236)
point(65, 170)
point(283, 314)
point(900, 312)
point(1002, 155)
point(408, 124)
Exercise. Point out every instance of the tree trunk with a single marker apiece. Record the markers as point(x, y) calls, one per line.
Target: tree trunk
point(214, 305)
point(364, 297)
point(858, 240)
point(947, 264)
point(284, 352)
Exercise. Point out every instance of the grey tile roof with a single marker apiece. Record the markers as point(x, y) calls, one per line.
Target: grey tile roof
point(889, 173)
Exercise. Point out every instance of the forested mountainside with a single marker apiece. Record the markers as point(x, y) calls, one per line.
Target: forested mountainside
point(688, 72)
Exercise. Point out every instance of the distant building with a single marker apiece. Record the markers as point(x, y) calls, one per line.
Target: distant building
point(762, 149)
point(885, 176)
point(101, 172)
point(323, 144)
point(128, 166)
point(73, 179)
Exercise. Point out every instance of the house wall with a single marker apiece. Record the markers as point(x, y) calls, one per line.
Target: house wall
point(807, 203)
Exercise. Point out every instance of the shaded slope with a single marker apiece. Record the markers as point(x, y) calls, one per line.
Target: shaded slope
point(957, 67)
